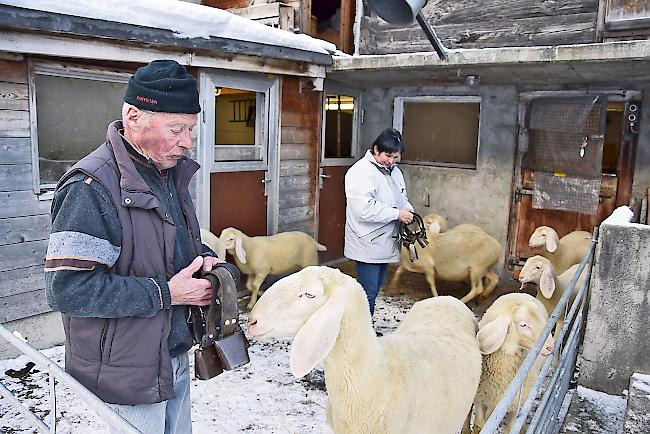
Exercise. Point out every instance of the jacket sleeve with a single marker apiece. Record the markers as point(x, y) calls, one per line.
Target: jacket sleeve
point(361, 195)
point(85, 243)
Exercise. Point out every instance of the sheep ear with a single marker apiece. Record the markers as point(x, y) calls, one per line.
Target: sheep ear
point(492, 335)
point(239, 250)
point(551, 242)
point(547, 282)
point(434, 227)
point(316, 338)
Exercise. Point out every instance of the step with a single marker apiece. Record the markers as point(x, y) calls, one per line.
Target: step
point(593, 412)
point(637, 415)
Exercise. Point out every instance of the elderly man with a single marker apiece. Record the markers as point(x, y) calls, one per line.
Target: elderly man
point(123, 250)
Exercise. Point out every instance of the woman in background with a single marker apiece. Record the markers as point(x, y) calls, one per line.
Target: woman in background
point(376, 200)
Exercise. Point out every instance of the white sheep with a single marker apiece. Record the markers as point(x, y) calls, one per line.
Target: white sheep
point(211, 240)
point(509, 328)
point(257, 257)
point(562, 252)
point(421, 378)
point(550, 286)
point(465, 252)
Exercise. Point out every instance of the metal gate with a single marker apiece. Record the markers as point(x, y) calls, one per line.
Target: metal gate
point(544, 418)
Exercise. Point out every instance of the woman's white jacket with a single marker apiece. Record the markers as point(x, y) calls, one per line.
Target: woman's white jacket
point(374, 196)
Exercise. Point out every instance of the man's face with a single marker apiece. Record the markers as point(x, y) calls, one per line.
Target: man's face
point(164, 137)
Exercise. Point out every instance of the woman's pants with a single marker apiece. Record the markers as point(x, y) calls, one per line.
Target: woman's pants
point(371, 277)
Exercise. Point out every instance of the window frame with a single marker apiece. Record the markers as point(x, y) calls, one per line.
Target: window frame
point(265, 116)
point(398, 123)
point(357, 120)
point(46, 191)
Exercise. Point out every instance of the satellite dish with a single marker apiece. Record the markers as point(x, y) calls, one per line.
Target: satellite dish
point(397, 11)
point(403, 12)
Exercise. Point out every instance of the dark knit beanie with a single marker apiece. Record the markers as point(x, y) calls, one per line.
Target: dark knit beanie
point(163, 86)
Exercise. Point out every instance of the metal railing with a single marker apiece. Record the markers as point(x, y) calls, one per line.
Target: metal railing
point(105, 412)
point(544, 419)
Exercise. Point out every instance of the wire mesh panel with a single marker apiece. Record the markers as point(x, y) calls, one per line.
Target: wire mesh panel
point(566, 193)
point(565, 152)
point(566, 135)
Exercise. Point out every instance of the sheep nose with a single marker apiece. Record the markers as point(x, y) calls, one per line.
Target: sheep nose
point(252, 321)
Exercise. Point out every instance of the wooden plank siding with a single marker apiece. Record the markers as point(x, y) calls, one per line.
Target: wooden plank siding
point(487, 23)
point(299, 157)
point(24, 219)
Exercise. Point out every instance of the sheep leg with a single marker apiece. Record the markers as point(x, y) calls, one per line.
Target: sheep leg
point(480, 416)
point(493, 279)
point(257, 283)
point(431, 279)
point(477, 286)
point(466, 429)
point(395, 280)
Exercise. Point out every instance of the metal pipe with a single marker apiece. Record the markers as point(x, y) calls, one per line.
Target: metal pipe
point(547, 364)
point(105, 412)
point(431, 36)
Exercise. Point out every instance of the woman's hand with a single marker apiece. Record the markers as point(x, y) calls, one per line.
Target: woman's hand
point(405, 216)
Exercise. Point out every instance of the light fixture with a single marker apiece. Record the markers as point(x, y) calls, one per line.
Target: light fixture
point(472, 80)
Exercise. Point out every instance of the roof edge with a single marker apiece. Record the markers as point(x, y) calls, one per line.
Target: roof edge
point(13, 17)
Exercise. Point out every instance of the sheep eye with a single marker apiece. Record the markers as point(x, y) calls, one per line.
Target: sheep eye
point(308, 295)
point(523, 324)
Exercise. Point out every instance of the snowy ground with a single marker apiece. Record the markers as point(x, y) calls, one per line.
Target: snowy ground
point(260, 397)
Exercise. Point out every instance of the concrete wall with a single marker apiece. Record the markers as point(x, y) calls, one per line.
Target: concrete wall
point(616, 338)
point(41, 331)
point(479, 196)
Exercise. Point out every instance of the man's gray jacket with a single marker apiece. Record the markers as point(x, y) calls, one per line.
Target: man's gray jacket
point(117, 321)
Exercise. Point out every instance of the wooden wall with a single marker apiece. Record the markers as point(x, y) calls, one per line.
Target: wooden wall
point(299, 157)
point(24, 219)
point(486, 23)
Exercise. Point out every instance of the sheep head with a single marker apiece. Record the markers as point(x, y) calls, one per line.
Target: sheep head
point(231, 238)
point(441, 222)
point(539, 270)
point(544, 236)
point(307, 305)
point(513, 322)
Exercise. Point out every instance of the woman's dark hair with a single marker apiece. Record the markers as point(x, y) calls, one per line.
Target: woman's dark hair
point(389, 141)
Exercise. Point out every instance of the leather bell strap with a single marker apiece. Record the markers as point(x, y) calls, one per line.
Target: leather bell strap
point(223, 278)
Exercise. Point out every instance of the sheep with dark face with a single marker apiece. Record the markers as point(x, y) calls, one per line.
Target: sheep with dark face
point(421, 378)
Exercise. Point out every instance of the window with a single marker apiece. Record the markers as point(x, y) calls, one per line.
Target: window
point(441, 131)
point(339, 115)
point(235, 121)
point(341, 119)
point(72, 109)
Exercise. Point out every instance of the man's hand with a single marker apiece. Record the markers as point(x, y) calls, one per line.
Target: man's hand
point(209, 262)
point(185, 289)
point(405, 216)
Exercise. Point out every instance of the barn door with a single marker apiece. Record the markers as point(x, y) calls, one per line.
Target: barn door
point(341, 119)
point(570, 164)
point(238, 152)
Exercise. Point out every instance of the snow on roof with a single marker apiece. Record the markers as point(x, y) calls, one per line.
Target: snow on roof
point(186, 20)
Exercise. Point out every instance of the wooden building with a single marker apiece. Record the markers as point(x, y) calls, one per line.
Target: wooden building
point(62, 78)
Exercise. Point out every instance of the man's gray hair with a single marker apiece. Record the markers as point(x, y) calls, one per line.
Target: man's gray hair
point(126, 106)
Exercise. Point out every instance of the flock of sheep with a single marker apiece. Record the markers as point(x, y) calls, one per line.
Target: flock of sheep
point(425, 376)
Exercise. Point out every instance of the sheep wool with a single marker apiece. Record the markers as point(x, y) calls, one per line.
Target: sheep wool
point(421, 378)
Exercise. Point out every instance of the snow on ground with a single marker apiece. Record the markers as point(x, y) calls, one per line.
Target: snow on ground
point(597, 413)
point(260, 397)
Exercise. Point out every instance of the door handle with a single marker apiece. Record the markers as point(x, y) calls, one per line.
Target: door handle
point(265, 181)
point(323, 176)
